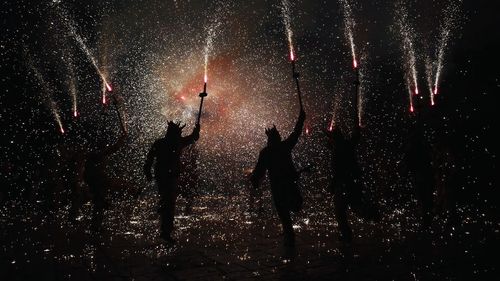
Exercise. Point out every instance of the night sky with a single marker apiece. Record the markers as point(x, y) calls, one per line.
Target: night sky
point(153, 55)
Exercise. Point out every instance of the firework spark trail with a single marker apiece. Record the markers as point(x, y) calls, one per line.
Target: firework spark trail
point(286, 12)
point(449, 22)
point(72, 85)
point(428, 72)
point(410, 94)
point(349, 25)
point(359, 98)
point(286, 16)
point(409, 60)
point(209, 46)
point(72, 89)
point(47, 98)
point(90, 57)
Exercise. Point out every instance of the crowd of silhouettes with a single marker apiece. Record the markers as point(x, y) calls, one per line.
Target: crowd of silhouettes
point(174, 160)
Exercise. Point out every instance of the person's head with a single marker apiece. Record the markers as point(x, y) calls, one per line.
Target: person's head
point(273, 136)
point(174, 130)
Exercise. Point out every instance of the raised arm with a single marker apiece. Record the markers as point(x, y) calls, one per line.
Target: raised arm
point(292, 140)
point(150, 158)
point(194, 136)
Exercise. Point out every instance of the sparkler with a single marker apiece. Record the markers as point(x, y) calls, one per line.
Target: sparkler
point(449, 21)
point(285, 10)
point(409, 63)
point(90, 57)
point(207, 50)
point(349, 25)
point(48, 100)
point(202, 95)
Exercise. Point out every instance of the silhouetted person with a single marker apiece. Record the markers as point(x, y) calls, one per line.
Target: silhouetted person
point(419, 162)
point(346, 184)
point(74, 158)
point(276, 158)
point(167, 151)
point(189, 176)
point(445, 174)
point(97, 179)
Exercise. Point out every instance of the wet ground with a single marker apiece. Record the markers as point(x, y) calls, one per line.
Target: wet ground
point(220, 240)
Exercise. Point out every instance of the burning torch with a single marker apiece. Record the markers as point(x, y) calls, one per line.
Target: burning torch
point(202, 95)
point(296, 76)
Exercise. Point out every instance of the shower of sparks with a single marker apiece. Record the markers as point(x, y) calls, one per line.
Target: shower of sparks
point(157, 65)
point(428, 71)
point(287, 21)
point(47, 96)
point(449, 22)
point(408, 48)
point(209, 48)
point(349, 27)
point(72, 85)
point(83, 47)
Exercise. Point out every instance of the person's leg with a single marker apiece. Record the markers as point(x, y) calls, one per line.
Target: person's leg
point(425, 187)
point(286, 223)
point(98, 211)
point(168, 195)
point(340, 209)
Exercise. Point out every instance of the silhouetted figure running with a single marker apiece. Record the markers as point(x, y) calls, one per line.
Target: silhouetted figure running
point(167, 151)
point(97, 179)
point(189, 176)
point(419, 161)
point(346, 184)
point(276, 157)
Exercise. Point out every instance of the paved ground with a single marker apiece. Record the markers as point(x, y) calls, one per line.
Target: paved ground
point(220, 241)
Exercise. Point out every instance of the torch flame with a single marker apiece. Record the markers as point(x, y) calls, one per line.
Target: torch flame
point(355, 63)
point(61, 129)
point(416, 91)
point(411, 108)
point(205, 79)
point(108, 87)
point(103, 98)
point(292, 56)
point(75, 113)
